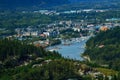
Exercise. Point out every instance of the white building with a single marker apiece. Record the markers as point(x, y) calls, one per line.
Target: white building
point(34, 33)
point(26, 34)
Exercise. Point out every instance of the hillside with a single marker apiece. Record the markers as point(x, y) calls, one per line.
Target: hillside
point(104, 48)
point(92, 0)
point(96, 4)
point(19, 52)
point(86, 0)
point(6, 4)
point(21, 61)
point(58, 4)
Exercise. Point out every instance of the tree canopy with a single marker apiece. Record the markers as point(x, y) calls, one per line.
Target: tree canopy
point(104, 48)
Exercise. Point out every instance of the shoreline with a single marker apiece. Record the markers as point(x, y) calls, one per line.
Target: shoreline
point(73, 51)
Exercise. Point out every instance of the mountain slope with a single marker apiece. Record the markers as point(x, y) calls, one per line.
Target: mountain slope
point(30, 3)
point(91, 0)
point(58, 4)
point(104, 48)
point(95, 4)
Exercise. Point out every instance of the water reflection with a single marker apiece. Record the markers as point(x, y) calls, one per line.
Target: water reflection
point(73, 50)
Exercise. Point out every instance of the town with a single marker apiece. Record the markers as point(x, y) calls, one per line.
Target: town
point(59, 40)
point(51, 34)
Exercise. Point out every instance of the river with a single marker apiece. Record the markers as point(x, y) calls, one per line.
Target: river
point(73, 51)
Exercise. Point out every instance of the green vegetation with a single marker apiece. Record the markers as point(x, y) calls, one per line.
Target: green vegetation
point(6, 32)
point(91, 4)
point(55, 70)
point(12, 19)
point(58, 5)
point(107, 71)
point(70, 33)
point(29, 4)
point(55, 42)
point(14, 53)
point(21, 61)
point(104, 49)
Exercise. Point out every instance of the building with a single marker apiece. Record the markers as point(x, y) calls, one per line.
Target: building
point(103, 28)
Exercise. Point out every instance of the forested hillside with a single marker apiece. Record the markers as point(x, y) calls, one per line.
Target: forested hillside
point(104, 48)
point(21, 61)
point(5, 4)
point(15, 53)
point(58, 4)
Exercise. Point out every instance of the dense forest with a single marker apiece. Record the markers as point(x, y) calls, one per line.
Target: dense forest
point(58, 4)
point(22, 61)
point(12, 20)
point(15, 4)
point(14, 53)
point(104, 48)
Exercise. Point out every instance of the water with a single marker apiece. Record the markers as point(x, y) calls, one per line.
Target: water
point(72, 51)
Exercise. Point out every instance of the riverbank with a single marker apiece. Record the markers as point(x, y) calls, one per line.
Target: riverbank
point(74, 50)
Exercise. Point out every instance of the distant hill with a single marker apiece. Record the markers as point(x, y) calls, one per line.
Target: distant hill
point(30, 3)
point(91, 0)
point(95, 4)
point(58, 4)
point(84, 0)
